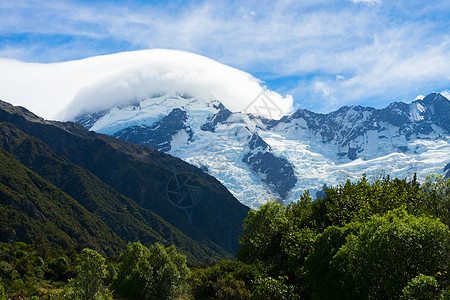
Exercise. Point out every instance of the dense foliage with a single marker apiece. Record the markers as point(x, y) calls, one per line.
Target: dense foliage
point(380, 256)
point(373, 239)
point(42, 272)
point(150, 273)
point(89, 282)
point(364, 240)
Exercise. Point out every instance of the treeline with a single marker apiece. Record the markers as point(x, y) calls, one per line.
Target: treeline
point(41, 272)
point(372, 239)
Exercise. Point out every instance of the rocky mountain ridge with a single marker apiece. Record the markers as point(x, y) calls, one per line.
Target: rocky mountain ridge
point(259, 158)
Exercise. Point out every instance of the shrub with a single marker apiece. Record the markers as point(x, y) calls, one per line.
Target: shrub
point(150, 273)
point(421, 287)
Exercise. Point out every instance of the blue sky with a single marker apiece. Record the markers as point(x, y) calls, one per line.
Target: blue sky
point(326, 53)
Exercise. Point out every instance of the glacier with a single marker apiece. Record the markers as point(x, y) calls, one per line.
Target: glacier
point(399, 140)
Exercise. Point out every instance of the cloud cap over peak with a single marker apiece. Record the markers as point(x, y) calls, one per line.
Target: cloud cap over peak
point(99, 83)
point(154, 72)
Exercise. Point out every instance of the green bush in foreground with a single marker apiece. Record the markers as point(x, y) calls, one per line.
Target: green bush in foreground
point(421, 287)
point(2, 293)
point(381, 258)
point(150, 273)
point(226, 280)
point(363, 240)
point(88, 284)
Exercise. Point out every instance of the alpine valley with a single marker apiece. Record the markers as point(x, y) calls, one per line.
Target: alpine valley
point(258, 158)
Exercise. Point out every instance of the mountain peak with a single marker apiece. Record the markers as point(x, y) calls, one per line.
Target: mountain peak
point(20, 111)
point(435, 97)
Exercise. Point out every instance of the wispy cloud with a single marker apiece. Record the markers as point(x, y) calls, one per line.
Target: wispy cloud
point(342, 52)
point(366, 1)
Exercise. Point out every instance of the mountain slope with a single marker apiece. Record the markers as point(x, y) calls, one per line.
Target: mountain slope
point(122, 215)
point(31, 206)
point(259, 158)
point(144, 175)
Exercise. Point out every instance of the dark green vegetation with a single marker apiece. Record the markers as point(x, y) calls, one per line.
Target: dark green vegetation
point(150, 273)
point(379, 239)
point(31, 207)
point(365, 240)
point(112, 192)
point(42, 272)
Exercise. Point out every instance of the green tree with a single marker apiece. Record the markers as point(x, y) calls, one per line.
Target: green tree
point(387, 252)
point(280, 238)
point(150, 273)
point(59, 269)
point(2, 293)
point(269, 288)
point(226, 280)
point(322, 278)
point(436, 197)
point(23, 265)
point(88, 284)
point(229, 288)
point(263, 231)
point(421, 287)
point(5, 270)
point(360, 200)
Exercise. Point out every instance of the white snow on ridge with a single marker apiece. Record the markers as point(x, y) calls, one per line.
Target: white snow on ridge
point(65, 90)
point(314, 168)
point(314, 162)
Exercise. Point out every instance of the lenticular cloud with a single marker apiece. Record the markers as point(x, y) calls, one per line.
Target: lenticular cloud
point(155, 72)
point(66, 90)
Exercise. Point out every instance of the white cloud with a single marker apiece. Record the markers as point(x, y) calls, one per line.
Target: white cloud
point(386, 51)
point(102, 82)
point(367, 1)
point(446, 94)
point(419, 97)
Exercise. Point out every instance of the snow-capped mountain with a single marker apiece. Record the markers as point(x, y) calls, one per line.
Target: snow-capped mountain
point(225, 121)
point(259, 158)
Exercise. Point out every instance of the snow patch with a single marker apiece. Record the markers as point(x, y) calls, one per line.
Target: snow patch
point(416, 111)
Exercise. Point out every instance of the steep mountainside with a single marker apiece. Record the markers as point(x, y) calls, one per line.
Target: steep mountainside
point(122, 215)
point(184, 196)
point(31, 206)
point(259, 159)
